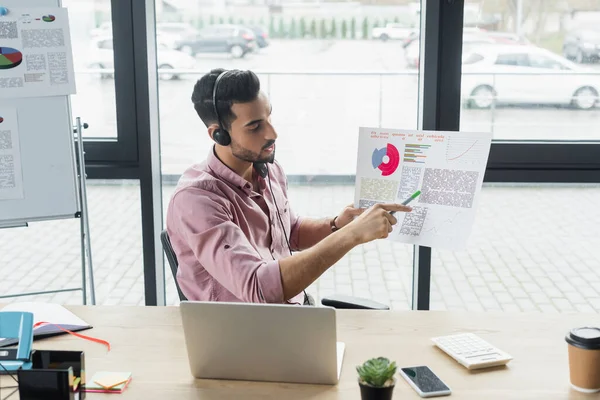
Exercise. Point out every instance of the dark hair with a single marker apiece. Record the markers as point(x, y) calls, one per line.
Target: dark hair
point(236, 87)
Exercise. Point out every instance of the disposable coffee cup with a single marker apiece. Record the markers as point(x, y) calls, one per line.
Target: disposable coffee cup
point(584, 359)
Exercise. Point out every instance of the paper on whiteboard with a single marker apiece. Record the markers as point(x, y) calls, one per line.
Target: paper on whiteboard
point(11, 179)
point(35, 53)
point(447, 167)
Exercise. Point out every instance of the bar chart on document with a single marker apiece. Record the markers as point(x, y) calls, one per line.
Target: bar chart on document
point(448, 169)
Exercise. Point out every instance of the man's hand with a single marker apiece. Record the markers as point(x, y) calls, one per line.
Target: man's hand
point(347, 215)
point(375, 222)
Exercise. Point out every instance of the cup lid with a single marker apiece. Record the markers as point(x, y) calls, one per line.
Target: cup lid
point(586, 338)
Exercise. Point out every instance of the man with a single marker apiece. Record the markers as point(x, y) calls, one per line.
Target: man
point(229, 220)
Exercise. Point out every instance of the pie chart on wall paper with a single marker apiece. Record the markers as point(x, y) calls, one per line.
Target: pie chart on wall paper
point(386, 159)
point(10, 58)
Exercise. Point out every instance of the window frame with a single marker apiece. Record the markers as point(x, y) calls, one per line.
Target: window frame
point(133, 153)
point(117, 158)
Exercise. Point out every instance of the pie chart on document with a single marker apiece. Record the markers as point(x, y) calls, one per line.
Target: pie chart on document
point(386, 159)
point(10, 58)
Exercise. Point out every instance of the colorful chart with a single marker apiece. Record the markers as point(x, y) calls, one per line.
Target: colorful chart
point(48, 18)
point(386, 159)
point(10, 58)
point(416, 153)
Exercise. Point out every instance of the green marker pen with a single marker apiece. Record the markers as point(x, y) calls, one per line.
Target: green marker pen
point(411, 198)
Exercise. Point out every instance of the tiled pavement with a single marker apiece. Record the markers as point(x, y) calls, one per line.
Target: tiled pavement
point(532, 248)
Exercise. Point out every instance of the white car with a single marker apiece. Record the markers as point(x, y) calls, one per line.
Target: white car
point(102, 57)
point(396, 31)
point(413, 49)
point(167, 33)
point(521, 74)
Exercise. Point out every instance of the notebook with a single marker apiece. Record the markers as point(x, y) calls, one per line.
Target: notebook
point(108, 382)
point(46, 312)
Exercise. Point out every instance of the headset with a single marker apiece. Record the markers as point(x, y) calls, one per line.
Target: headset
point(222, 137)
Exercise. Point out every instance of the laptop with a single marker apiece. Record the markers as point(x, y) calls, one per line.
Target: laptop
point(262, 342)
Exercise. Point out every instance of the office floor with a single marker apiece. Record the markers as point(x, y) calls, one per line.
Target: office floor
point(532, 248)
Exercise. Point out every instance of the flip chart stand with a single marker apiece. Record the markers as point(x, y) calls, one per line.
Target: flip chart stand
point(86, 245)
point(82, 214)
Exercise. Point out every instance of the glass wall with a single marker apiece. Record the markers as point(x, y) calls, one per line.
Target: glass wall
point(328, 69)
point(530, 73)
point(46, 255)
point(530, 70)
point(91, 33)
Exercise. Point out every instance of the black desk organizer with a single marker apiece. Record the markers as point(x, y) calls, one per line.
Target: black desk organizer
point(52, 375)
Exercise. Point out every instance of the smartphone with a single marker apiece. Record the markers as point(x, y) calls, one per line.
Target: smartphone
point(424, 381)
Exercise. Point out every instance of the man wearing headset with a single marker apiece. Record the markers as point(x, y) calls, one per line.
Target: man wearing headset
point(229, 219)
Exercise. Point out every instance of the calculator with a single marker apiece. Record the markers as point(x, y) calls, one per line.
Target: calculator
point(471, 351)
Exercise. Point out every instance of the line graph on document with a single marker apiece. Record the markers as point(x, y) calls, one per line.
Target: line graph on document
point(466, 151)
point(446, 222)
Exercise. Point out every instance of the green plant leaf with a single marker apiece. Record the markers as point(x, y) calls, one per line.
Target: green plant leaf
point(377, 371)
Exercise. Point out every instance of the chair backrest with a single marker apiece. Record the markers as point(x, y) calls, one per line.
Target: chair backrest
point(172, 259)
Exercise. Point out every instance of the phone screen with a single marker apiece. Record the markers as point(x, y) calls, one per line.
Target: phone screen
point(425, 379)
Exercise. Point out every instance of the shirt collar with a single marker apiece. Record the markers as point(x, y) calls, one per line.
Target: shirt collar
point(227, 174)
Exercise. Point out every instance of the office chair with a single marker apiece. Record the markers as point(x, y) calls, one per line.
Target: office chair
point(335, 301)
point(172, 259)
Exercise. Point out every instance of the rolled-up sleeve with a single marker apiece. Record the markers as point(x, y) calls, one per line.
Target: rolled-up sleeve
point(295, 222)
point(221, 247)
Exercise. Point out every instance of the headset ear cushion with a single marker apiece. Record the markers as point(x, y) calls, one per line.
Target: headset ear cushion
point(221, 137)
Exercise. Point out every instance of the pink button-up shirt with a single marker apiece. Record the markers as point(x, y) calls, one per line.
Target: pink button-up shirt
point(227, 237)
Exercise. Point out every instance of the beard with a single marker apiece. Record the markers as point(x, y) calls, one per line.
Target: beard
point(249, 155)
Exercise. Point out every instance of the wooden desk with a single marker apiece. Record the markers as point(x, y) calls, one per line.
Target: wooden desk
point(149, 342)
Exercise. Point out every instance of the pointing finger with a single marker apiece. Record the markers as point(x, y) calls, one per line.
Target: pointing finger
point(396, 207)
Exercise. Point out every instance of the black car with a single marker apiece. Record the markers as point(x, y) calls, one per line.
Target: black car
point(262, 37)
point(582, 46)
point(223, 38)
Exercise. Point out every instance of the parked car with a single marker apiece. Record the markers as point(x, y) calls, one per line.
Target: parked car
point(582, 46)
point(102, 57)
point(222, 38)
point(517, 74)
point(412, 51)
point(398, 31)
point(171, 32)
point(167, 33)
point(261, 34)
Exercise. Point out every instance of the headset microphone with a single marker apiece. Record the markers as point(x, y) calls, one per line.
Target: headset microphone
point(261, 169)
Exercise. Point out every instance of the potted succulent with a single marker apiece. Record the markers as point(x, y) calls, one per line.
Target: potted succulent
point(376, 379)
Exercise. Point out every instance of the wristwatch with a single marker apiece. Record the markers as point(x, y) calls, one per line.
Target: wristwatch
point(332, 224)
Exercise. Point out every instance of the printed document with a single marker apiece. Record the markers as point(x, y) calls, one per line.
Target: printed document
point(11, 178)
point(448, 169)
point(36, 58)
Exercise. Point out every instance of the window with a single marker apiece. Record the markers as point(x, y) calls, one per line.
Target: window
point(541, 61)
point(472, 58)
point(515, 59)
point(100, 65)
point(326, 76)
point(525, 255)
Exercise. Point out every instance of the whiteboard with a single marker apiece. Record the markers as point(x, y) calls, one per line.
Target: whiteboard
point(47, 153)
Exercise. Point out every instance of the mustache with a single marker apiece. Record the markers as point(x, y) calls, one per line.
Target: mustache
point(269, 144)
